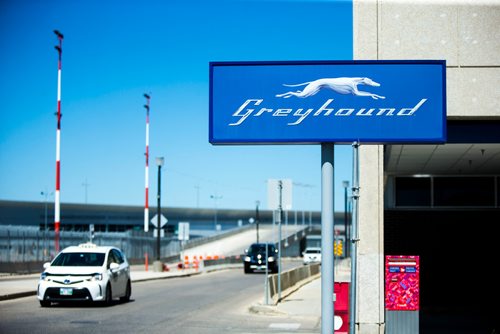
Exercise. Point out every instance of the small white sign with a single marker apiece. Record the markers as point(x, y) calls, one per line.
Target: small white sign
point(183, 233)
point(163, 220)
point(155, 233)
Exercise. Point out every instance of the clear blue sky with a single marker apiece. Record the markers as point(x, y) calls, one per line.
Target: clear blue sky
point(113, 52)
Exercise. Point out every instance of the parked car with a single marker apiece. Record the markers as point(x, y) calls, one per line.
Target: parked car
point(85, 273)
point(255, 258)
point(312, 255)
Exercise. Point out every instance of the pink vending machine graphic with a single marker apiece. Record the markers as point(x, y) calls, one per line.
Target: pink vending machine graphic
point(402, 283)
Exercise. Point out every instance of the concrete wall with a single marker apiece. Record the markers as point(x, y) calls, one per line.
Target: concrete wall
point(464, 33)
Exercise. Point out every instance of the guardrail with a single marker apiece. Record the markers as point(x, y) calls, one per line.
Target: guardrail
point(230, 262)
point(200, 241)
point(291, 280)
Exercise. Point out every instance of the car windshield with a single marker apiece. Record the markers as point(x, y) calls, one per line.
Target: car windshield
point(79, 260)
point(313, 251)
point(261, 248)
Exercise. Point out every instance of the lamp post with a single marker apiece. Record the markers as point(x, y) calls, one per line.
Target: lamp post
point(159, 163)
point(146, 174)
point(215, 198)
point(257, 203)
point(345, 184)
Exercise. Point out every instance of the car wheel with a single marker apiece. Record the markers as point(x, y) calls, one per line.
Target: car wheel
point(109, 295)
point(45, 303)
point(126, 298)
point(247, 269)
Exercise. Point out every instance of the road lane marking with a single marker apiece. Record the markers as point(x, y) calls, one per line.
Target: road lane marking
point(285, 326)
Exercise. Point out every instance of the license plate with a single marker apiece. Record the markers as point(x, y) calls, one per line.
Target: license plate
point(66, 291)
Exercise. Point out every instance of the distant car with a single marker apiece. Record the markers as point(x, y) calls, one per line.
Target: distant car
point(312, 255)
point(85, 273)
point(255, 258)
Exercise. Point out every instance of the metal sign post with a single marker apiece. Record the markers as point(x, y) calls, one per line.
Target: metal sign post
point(327, 261)
point(280, 216)
point(355, 238)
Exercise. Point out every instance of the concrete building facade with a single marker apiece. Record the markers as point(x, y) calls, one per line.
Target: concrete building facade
point(467, 35)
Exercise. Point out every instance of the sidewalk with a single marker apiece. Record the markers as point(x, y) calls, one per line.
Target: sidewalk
point(306, 300)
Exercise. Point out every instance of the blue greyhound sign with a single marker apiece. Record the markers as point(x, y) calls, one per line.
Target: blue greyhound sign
point(328, 101)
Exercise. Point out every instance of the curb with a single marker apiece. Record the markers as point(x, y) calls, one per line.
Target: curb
point(166, 277)
point(18, 295)
point(33, 292)
point(266, 310)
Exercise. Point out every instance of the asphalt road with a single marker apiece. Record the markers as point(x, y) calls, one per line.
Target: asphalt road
point(209, 303)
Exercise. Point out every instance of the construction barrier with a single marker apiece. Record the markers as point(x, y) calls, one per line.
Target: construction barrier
point(341, 307)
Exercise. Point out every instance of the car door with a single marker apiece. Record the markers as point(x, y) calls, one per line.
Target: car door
point(114, 275)
point(121, 272)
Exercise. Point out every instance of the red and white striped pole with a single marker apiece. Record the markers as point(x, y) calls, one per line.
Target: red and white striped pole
point(146, 206)
point(57, 205)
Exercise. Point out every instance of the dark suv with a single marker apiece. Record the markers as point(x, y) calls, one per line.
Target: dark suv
point(255, 258)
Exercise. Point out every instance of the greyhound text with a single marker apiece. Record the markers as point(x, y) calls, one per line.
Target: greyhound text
point(255, 108)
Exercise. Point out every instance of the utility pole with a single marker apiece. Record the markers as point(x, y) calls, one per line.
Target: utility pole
point(346, 215)
point(86, 184)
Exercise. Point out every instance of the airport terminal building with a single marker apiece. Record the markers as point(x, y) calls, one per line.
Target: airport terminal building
point(441, 202)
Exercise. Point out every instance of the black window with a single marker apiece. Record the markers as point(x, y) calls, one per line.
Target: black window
point(464, 191)
point(79, 260)
point(413, 191)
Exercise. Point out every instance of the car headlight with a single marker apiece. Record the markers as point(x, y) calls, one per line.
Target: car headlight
point(259, 256)
point(96, 277)
point(247, 259)
point(43, 276)
point(270, 259)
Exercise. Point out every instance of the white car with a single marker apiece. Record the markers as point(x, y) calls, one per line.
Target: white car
point(85, 273)
point(312, 255)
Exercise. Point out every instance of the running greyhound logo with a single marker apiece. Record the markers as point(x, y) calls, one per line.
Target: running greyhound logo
point(342, 85)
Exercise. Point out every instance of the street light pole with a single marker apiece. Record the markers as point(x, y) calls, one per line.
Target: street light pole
point(159, 163)
point(146, 205)
point(257, 203)
point(45, 243)
point(215, 198)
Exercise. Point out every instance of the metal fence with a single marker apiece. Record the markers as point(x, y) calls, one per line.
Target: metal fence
point(29, 244)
